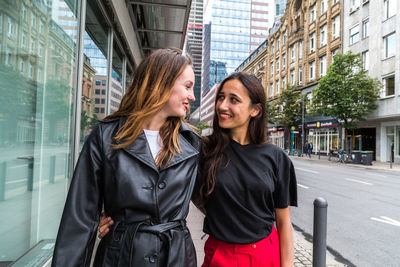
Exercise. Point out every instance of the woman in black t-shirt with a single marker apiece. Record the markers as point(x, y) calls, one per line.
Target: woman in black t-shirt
point(246, 184)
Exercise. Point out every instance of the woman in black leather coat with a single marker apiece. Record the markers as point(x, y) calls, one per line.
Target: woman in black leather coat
point(145, 186)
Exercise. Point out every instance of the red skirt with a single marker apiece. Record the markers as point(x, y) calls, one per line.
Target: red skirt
point(260, 254)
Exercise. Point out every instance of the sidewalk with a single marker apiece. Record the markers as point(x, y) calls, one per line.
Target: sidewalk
point(302, 250)
point(376, 165)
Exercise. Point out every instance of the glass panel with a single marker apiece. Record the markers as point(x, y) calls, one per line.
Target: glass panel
point(94, 87)
point(38, 48)
point(116, 91)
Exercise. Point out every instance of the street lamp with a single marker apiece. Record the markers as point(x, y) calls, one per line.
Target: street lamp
point(302, 124)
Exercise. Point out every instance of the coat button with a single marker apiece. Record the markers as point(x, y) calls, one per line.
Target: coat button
point(161, 185)
point(153, 258)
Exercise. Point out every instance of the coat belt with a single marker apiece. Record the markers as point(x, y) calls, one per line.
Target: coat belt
point(172, 233)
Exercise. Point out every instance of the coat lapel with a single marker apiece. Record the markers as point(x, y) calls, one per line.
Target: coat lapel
point(188, 150)
point(140, 150)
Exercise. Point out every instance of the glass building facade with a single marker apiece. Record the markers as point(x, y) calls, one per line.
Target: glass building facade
point(44, 74)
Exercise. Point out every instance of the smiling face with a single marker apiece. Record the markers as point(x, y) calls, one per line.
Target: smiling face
point(234, 108)
point(181, 94)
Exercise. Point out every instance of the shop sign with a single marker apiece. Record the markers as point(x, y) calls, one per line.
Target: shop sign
point(319, 124)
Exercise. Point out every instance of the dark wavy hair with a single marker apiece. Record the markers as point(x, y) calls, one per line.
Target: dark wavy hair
point(214, 146)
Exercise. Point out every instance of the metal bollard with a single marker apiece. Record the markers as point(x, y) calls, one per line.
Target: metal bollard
point(3, 176)
point(319, 235)
point(52, 172)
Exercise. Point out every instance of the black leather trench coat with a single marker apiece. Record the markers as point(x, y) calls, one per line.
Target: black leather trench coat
point(148, 205)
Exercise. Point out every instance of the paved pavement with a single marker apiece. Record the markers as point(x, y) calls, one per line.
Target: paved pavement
point(303, 248)
point(377, 165)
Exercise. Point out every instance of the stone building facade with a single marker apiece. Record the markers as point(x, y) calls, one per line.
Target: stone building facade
point(298, 52)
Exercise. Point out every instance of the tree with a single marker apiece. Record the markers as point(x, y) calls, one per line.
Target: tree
point(286, 110)
point(201, 126)
point(346, 93)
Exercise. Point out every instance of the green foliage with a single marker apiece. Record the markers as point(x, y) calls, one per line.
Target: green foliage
point(286, 110)
point(346, 92)
point(201, 125)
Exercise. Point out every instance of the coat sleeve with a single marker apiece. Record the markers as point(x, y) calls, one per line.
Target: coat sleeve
point(78, 227)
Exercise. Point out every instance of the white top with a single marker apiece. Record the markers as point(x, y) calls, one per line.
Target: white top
point(154, 141)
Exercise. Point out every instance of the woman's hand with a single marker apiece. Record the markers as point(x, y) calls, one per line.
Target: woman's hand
point(104, 225)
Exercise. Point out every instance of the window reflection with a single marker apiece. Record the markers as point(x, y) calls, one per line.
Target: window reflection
point(37, 64)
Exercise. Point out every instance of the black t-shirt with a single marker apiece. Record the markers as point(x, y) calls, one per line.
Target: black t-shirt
point(257, 179)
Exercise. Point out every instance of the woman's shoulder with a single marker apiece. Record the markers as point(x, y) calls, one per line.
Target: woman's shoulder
point(189, 132)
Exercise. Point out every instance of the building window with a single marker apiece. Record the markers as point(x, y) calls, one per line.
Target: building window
point(10, 32)
point(41, 50)
point(33, 21)
point(284, 38)
point(96, 110)
point(272, 48)
point(335, 1)
point(312, 42)
point(301, 49)
point(31, 70)
point(292, 77)
point(293, 52)
point(283, 83)
point(277, 87)
point(97, 100)
point(103, 101)
point(277, 65)
point(388, 84)
point(278, 44)
point(272, 69)
point(335, 27)
point(271, 89)
point(312, 70)
point(322, 66)
point(323, 6)
point(97, 91)
point(103, 82)
point(334, 52)
point(354, 34)
point(390, 45)
point(103, 92)
point(312, 13)
point(354, 5)
point(33, 41)
point(365, 28)
point(365, 59)
point(283, 61)
point(22, 66)
point(24, 13)
point(98, 82)
point(389, 7)
point(300, 75)
point(24, 39)
point(41, 28)
point(102, 110)
point(322, 36)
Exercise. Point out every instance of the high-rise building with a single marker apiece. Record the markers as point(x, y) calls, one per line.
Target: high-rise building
point(193, 45)
point(232, 30)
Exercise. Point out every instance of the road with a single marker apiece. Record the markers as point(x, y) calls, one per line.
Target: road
point(363, 210)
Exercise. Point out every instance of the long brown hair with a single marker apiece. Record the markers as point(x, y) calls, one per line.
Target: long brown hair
point(150, 90)
point(214, 146)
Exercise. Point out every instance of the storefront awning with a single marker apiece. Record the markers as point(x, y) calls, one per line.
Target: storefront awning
point(160, 23)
